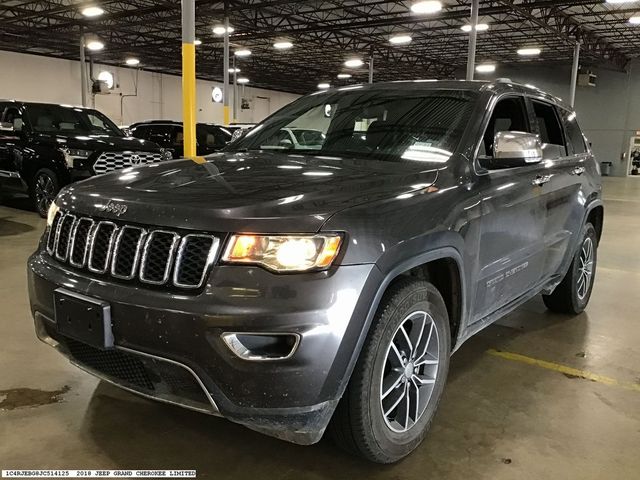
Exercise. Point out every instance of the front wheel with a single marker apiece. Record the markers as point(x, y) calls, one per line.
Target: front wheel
point(572, 294)
point(43, 189)
point(399, 378)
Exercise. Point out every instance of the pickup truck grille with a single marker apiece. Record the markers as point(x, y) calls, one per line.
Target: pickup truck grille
point(110, 161)
point(129, 252)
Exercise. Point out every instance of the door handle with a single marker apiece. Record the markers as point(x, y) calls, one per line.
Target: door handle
point(540, 180)
point(578, 171)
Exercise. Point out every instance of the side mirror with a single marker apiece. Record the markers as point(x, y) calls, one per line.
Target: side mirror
point(514, 149)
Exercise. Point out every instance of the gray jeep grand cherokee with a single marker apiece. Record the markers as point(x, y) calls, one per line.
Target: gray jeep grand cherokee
point(294, 290)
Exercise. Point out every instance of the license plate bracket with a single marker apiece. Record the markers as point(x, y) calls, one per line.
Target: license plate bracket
point(82, 318)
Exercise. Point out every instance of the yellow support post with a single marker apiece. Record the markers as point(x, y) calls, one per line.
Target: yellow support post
point(189, 78)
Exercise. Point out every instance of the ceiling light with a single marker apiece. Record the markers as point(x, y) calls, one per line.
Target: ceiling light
point(480, 27)
point(353, 63)
point(132, 61)
point(92, 12)
point(95, 45)
point(197, 42)
point(283, 45)
point(426, 7)
point(400, 39)
point(242, 53)
point(234, 70)
point(486, 68)
point(621, 1)
point(635, 20)
point(242, 80)
point(529, 52)
point(344, 76)
point(323, 86)
point(219, 29)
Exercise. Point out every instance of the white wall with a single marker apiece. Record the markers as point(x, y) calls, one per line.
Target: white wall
point(36, 78)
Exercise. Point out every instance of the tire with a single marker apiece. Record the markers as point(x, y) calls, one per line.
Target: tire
point(359, 425)
point(43, 188)
point(572, 295)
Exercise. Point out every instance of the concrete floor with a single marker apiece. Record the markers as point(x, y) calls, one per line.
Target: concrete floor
point(501, 418)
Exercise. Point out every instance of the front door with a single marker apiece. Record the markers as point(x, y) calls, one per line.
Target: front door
point(511, 248)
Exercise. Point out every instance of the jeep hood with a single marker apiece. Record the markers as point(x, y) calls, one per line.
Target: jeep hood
point(249, 192)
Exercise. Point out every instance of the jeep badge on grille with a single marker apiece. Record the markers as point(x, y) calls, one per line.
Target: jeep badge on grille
point(113, 207)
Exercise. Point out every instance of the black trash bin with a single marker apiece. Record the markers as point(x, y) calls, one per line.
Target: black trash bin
point(605, 168)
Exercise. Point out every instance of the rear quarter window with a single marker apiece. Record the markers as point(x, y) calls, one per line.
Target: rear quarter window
point(575, 139)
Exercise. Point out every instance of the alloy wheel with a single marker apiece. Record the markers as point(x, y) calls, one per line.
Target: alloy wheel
point(410, 370)
point(45, 192)
point(585, 268)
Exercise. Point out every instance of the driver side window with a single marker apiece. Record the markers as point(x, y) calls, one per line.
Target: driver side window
point(509, 114)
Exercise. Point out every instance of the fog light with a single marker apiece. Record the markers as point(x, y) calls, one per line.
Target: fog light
point(262, 346)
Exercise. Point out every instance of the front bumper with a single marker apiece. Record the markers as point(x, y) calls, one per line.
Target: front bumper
point(292, 399)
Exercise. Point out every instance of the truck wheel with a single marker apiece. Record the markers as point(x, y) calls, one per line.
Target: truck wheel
point(572, 294)
point(43, 189)
point(399, 378)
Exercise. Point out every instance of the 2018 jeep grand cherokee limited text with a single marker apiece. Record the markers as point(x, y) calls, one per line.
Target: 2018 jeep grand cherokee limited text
point(44, 147)
point(291, 290)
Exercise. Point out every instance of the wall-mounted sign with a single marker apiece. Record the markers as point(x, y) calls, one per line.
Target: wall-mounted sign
point(216, 94)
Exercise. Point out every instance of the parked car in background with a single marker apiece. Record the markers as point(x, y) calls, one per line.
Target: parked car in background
point(239, 129)
point(295, 138)
point(299, 290)
point(169, 134)
point(44, 147)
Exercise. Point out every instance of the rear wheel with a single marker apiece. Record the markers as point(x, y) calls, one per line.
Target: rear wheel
point(572, 294)
point(43, 189)
point(399, 378)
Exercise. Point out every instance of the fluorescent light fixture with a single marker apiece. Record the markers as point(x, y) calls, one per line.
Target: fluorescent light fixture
point(283, 45)
point(344, 76)
point(324, 86)
point(197, 42)
point(486, 68)
point(220, 30)
point(132, 62)
point(529, 52)
point(245, 52)
point(480, 27)
point(635, 20)
point(400, 39)
point(234, 70)
point(620, 1)
point(95, 45)
point(243, 80)
point(426, 7)
point(107, 78)
point(353, 63)
point(92, 12)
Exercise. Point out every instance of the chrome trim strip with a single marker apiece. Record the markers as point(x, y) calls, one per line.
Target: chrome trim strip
point(86, 243)
point(232, 342)
point(169, 265)
point(109, 248)
point(213, 252)
point(136, 257)
point(54, 231)
point(63, 258)
point(9, 174)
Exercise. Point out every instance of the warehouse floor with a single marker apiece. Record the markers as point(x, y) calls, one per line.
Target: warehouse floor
point(537, 396)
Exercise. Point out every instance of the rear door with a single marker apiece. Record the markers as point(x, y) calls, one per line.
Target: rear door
point(11, 143)
point(510, 250)
point(562, 195)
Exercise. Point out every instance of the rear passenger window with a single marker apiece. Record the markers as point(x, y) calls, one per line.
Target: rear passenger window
point(550, 129)
point(575, 139)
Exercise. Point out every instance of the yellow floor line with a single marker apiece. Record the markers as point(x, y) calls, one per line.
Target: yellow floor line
point(556, 367)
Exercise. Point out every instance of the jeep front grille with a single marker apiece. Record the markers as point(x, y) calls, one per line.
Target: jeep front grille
point(110, 161)
point(128, 252)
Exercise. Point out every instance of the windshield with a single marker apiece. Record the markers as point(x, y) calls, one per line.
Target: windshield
point(386, 125)
point(70, 121)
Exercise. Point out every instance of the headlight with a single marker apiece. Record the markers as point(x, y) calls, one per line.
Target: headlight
point(284, 253)
point(166, 154)
point(51, 214)
point(71, 154)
